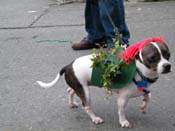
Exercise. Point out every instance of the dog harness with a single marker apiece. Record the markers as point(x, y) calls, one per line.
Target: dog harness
point(124, 78)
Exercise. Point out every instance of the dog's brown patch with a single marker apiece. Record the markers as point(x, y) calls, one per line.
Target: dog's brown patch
point(73, 82)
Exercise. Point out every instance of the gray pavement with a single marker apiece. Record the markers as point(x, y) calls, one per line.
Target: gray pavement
point(35, 42)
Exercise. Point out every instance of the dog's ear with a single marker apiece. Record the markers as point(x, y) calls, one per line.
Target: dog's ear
point(137, 57)
point(165, 50)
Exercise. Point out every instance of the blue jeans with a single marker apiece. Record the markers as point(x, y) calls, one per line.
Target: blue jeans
point(98, 25)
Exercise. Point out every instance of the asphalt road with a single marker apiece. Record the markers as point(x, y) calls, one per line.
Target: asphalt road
point(35, 43)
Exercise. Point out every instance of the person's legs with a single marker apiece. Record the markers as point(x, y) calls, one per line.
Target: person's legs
point(115, 9)
point(123, 28)
point(93, 27)
point(93, 24)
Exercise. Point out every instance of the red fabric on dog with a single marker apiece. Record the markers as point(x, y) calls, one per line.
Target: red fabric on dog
point(134, 48)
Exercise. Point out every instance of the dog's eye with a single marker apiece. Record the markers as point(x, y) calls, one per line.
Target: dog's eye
point(167, 56)
point(152, 59)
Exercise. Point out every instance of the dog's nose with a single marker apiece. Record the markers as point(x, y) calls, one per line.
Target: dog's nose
point(166, 67)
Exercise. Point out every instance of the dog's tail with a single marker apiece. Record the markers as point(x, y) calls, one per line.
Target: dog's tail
point(50, 84)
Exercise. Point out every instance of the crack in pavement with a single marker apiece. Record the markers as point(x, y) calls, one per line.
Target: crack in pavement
point(39, 17)
point(44, 26)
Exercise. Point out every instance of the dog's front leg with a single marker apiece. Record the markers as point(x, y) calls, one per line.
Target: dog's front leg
point(122, 102)
point(146, 100)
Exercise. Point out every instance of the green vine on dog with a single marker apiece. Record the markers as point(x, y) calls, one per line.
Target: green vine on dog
point(111, 70)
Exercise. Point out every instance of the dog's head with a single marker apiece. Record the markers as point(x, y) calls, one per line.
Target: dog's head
point(153, 59)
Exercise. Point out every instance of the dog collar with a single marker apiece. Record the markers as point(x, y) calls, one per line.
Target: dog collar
point(142, 85)
point(146, 78)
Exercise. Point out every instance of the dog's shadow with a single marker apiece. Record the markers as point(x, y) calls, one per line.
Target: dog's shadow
point(107, 109)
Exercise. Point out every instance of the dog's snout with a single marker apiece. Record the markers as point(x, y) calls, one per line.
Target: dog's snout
point(166, 68)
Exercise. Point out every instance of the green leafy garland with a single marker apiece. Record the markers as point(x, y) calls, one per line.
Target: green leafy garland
point(102, 57)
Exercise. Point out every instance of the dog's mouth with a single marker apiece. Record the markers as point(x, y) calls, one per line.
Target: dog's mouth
point(165, 72)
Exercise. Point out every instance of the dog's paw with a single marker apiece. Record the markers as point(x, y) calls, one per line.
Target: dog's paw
point(97, 120)
point(73, 105)
point(143, 109)
point(125, 124)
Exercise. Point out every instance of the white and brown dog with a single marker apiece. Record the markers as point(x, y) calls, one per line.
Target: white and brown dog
point(151, 61)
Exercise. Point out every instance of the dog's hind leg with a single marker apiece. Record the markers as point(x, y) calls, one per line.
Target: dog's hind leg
point(71, 93)
point(84, 94)
point(82, 91)
point(88, 107)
